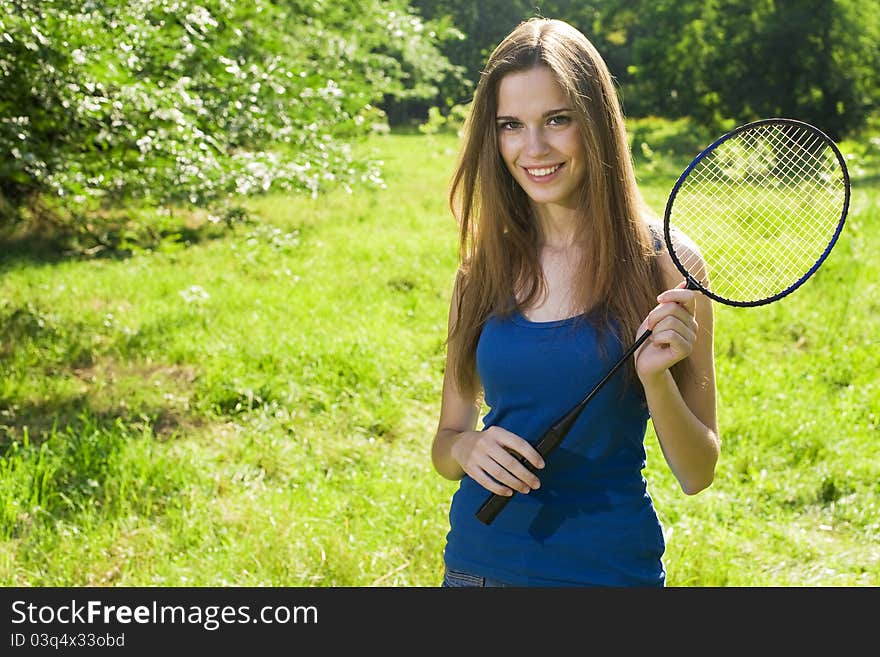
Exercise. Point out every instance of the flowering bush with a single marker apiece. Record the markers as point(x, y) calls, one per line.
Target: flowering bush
point(177, 101)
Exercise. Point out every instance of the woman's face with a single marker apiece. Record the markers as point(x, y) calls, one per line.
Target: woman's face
point(538, 137)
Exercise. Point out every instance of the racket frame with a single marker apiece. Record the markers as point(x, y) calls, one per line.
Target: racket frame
point(692, 282)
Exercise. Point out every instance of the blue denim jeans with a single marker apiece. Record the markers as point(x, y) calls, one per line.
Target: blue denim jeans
point(458, 579)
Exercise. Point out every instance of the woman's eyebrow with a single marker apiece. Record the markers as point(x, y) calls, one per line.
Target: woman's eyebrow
point(544, 115)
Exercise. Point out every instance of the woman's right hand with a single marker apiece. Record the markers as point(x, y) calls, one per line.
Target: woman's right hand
point(492, 458)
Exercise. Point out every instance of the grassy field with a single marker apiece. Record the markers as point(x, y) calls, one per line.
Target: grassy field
point(255, 407)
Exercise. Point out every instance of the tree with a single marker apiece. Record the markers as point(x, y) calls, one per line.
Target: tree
point(713, 60)
point(185, 102)
point(816, 60)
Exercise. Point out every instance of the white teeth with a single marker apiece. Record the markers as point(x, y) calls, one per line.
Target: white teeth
point(543, 172)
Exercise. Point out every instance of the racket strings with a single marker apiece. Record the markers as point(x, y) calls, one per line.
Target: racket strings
point(763, 207)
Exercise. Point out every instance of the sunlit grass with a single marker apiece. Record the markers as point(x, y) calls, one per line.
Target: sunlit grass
point(257, 408)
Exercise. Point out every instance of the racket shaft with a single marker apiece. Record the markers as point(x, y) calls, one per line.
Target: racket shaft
point(554, 436)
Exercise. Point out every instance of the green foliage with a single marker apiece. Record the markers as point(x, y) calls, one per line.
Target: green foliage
point(188, 102)
point(816, 60)
point(482, 25)
point(452, 121)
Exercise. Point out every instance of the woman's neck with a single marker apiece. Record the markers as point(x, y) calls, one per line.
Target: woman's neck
point(558, 226)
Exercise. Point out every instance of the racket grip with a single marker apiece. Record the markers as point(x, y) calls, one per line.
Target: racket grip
point(495, 502)
point(492, 507)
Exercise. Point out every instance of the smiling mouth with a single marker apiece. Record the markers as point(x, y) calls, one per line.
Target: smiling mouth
point(542, 172)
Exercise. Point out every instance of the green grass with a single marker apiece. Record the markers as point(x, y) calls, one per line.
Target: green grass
point(257, 408)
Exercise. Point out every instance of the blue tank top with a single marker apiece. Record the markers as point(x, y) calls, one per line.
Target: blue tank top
point(592, 522)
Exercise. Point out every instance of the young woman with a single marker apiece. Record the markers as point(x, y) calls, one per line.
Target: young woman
point(562, 267)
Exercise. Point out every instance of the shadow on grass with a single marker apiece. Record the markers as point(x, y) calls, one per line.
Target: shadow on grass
point(49, 250)
point(152, 398)
point(56, 415)
point(39, 241)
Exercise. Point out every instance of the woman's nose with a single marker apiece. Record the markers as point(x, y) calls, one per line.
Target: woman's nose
point(536, 143)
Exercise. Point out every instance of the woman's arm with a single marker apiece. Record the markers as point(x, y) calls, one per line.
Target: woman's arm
point(486, 456)
point(683, 408)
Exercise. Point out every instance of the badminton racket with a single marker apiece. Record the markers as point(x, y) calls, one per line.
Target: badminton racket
point(750, 219)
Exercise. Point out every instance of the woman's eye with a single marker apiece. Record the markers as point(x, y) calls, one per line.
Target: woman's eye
point(508, 125)
point(559, 120)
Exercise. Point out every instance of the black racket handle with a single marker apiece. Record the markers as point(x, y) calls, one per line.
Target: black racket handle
point(554, 435)
point(495, 503)
point(492, 507)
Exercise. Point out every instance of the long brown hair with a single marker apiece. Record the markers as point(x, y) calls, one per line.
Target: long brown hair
point(499, 268)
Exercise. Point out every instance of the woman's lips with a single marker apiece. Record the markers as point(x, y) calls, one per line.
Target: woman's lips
point(543, 173)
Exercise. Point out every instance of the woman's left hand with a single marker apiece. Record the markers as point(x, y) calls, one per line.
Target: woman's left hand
point(673, 332)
